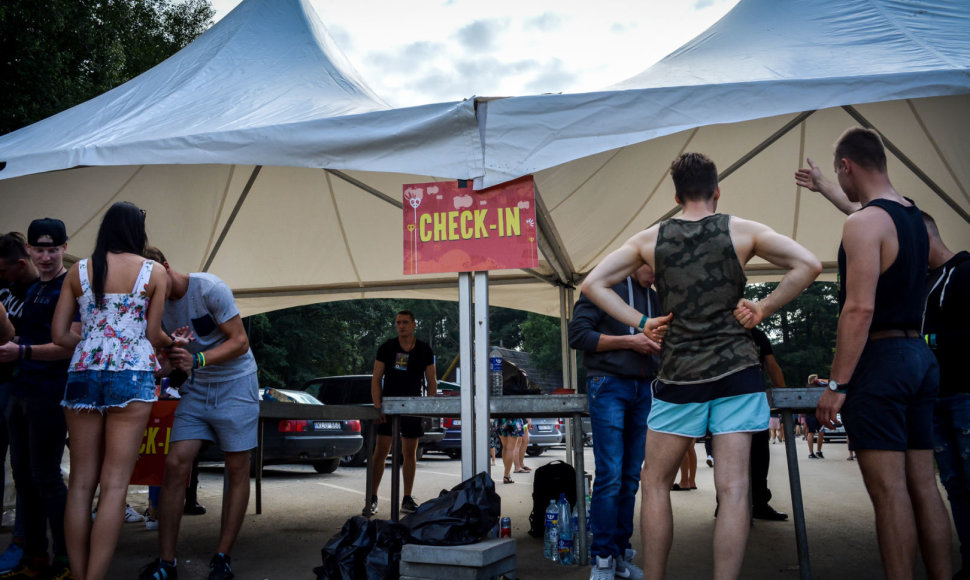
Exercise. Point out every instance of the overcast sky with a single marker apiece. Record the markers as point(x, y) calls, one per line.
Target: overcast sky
point(413, 52)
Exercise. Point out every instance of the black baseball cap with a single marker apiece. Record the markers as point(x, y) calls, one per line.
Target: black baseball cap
point(52, 227)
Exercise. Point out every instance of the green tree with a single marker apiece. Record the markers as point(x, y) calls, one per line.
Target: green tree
point(541, 338)
point(59, 53)
point(803, 331)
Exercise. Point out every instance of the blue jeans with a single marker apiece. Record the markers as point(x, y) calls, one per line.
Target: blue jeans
point(618, 410)
point(951, 441)
point(38, 431)
point(18, 526)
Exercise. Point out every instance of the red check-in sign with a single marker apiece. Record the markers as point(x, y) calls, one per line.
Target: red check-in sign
point(448, 227)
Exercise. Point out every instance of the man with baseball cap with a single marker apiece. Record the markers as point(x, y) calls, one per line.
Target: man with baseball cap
point(35, 419)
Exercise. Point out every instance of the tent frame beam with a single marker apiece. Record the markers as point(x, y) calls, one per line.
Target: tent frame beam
point(232, 217)
point(909, 163)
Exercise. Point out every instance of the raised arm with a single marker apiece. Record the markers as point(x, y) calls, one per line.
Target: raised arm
point(813, 180)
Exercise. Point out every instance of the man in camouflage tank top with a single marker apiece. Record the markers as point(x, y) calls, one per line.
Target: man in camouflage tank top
point(709, 376)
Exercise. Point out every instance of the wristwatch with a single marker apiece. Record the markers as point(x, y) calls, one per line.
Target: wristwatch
point(836, 387)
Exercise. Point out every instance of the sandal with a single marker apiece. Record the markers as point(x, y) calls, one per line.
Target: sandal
point(522, 471)
point(676, 487)
point(507, 479)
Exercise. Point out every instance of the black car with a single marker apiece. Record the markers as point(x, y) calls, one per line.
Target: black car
point(321, 444)
point(355, 390)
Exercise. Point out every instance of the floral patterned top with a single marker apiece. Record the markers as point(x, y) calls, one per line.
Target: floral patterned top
point(113, 336)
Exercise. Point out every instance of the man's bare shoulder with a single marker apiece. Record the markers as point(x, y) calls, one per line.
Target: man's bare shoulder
point(870, 221)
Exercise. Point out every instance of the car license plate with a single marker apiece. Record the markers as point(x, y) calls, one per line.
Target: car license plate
point(326, 425)
point(456, 422)
point(544, 427)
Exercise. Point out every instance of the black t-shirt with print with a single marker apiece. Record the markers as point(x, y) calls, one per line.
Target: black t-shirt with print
point(12, 297)
point(404, 371)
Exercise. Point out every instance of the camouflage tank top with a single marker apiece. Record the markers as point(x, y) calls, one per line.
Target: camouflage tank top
point(700, 280)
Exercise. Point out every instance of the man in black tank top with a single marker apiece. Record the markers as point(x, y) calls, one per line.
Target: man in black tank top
point(884, 378)
point(709, 376)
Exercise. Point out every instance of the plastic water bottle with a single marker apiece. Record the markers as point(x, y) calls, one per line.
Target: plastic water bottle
point(565, 543)
point(550, 549)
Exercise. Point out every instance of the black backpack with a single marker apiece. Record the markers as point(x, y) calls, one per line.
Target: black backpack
point(549, 481)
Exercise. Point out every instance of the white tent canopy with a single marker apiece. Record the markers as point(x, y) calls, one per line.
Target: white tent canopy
point(769, 84)
point(262, 156)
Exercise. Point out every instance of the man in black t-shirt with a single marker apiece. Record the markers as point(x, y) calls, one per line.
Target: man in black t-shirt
point(17, 275)
point(35, 419)
point(403, 365)
point(760, 456)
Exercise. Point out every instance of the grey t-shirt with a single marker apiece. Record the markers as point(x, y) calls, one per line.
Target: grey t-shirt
point(207, 303)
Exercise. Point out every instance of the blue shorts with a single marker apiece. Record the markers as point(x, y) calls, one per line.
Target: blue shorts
point(100, 390)
point(224, 411)
point(733, 404)
point(890, 398)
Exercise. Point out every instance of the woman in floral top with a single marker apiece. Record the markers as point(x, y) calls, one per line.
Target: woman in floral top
point(111, 383)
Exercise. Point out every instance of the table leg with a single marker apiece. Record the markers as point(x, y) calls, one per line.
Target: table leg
point(369, 466)
point(259, 467)
point(395, 467)
point(579, 464)
point(801, 536)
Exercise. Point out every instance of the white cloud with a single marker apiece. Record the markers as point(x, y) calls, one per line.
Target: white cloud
point(424, 51)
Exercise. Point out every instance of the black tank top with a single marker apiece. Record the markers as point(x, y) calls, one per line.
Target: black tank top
point(900, 289)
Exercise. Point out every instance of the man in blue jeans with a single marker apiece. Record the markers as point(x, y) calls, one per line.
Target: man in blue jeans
point(620, 365)
point(946, 329)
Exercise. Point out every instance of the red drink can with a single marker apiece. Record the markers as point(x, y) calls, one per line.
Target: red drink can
point(505, 528)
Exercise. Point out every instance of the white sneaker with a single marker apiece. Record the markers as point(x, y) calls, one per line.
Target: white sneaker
point(625, 567)
point(150, 522)
point(603, 568)
point(132, 516)
point(710, 461)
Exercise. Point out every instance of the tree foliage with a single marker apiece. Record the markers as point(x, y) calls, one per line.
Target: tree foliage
point(55, 54)
point(803, 331)
point(339, 338)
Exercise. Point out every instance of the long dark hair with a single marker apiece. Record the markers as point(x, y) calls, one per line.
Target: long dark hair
point(122, 230)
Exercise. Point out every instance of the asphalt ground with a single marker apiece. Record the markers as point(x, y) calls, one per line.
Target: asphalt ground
point(303, 509)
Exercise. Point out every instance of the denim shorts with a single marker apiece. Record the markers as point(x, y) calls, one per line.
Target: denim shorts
point(890, 397)
point(100, 390)
point(225, 411)
point(733, 404)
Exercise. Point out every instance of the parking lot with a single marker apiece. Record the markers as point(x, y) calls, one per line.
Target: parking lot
point(303, 509)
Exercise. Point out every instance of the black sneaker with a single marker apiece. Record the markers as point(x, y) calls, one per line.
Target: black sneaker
point(219, 568)
point(371, 508)
point(408, 505)
point(819, 455)
point(158, 570)
point(766, 512)
point(193, 509)
point(812, 456)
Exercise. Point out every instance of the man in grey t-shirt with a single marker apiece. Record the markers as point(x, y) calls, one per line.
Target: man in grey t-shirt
point(220, 403)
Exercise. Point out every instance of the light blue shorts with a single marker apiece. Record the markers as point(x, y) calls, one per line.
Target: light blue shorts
point(226, 412)
point(100, 390)
point(733, 404)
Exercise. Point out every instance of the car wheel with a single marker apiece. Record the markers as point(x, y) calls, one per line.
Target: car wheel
point(453, 453)
point(358, 459)
point(326, 465)
point(534, 451)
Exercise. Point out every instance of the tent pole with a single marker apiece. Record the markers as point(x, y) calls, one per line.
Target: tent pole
point(566, 374)
point(467, 378)
point(481, 374)
point(550, 242)
point(375, 192)
point(232, 217)
point(909, 163)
